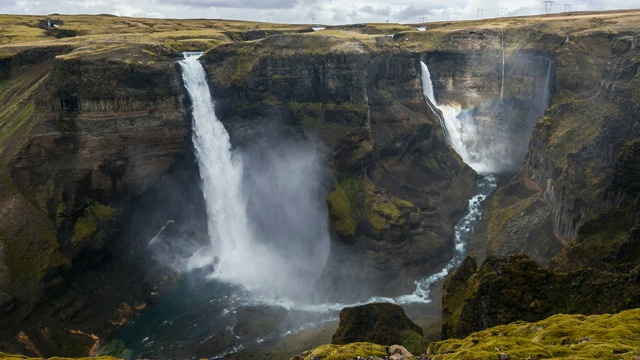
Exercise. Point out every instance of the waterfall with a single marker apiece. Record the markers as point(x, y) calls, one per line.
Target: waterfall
point(460, 130)
point(502, 82)
point(267, 221)
point(221, 174)
point(462, 136)
point(430, 99)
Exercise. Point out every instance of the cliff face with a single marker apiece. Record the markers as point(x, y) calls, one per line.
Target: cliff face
point(573, 165)
point(88, 135)
point(574, 197)
point(398, 188)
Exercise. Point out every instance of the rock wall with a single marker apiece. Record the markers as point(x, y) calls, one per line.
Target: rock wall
point(599, 268)
point(398, 188)
point(568, 176)
point(575, 197)
point(98, 130)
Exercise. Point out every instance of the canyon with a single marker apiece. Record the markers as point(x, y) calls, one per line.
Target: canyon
point(98, 160)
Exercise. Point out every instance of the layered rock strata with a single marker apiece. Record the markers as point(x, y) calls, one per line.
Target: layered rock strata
point(398, 188)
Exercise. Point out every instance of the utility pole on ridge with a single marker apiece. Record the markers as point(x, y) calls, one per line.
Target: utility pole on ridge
point(547, 6)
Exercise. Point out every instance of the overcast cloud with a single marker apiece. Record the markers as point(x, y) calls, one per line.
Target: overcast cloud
point(328, 12)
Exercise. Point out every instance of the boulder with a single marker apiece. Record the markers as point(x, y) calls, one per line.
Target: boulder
point(379, 323)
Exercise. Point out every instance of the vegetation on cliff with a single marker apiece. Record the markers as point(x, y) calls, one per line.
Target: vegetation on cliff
point(582, 144)
point(562, 336)
point(349, 351)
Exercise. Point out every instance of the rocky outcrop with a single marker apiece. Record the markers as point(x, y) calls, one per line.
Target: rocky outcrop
point(379, 323)
point(398, 187)
point(600, 268)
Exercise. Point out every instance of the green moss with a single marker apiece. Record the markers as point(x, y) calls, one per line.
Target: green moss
point(560, 336)
point(413, 342)
point(27, 261)
point(356, 199)
point(347, 352)
point(342, 218)
point(346, 205)
point(93, 225)
point(383, 210)
point(30, 247)
point(362, 152)
point(598, 241)
point(307, 114)
point(83, 229)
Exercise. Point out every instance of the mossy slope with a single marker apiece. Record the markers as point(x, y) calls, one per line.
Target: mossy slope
point(559, 336)
point(344, 352)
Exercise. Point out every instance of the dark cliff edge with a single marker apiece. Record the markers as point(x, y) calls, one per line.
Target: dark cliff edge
point(398, 188)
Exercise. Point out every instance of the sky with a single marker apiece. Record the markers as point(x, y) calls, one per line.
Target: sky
point(327, 12)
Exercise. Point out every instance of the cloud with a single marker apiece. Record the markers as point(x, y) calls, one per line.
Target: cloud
point(370, 10)
point(328, 12)
point(410, 13)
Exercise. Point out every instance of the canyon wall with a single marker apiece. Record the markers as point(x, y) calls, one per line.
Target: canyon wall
point(84, 135)
point(573, 204)
point(96, 153)
point(398, 189)
point(571, 169)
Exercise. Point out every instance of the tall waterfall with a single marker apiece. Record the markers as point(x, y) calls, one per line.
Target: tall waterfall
point(277, 245)
point(221, 174)
point(502, 79)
